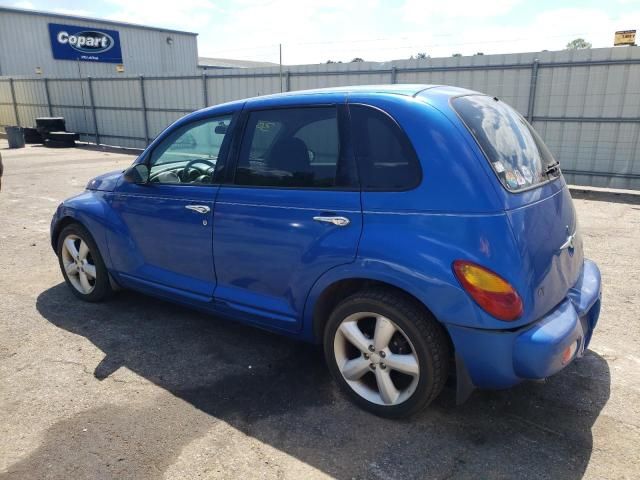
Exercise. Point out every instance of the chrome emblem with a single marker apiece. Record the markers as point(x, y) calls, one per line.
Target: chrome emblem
point(570, 241)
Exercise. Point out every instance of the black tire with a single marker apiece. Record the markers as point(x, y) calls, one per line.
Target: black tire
point(32, 136)
point(45, 125)
point(59, 143)
point(63, 136)
point(101, 286)
point(425, 335)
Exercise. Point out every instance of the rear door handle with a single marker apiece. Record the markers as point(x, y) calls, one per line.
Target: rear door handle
point(337, 221)
point(198, 208)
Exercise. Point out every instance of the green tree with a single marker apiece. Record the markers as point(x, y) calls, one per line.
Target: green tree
point(456, 55)
point(578, 44)
point(357, 59)
point(422, 56)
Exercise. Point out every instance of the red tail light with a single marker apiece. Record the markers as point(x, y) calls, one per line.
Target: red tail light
point(494, 294)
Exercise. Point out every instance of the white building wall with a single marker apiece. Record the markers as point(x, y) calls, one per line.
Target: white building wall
point(25, 45)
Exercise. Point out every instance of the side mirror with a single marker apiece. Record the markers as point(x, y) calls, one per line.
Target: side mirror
point(138, 173)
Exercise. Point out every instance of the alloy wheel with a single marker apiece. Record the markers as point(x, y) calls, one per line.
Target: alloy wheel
point(376, 358)
point(78, 264)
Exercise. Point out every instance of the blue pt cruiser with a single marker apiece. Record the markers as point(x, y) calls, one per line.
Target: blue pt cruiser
point(415, 231)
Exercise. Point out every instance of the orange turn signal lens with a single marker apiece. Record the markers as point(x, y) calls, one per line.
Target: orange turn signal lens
point(494, 294)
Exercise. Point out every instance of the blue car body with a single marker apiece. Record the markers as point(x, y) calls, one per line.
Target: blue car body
point(261, 259)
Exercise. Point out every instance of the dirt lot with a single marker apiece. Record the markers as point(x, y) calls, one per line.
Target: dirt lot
point(138, 388)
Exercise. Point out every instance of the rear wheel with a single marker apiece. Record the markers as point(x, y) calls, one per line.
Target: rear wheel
point(82, 265)
point(386, 352)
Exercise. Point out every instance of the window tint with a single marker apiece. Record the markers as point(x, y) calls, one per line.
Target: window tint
point(291, 147)
point(516, 152)
point(190, 154)
point(386, 159)
point(266, 132)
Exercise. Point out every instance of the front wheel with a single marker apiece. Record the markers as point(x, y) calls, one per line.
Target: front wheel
point(82, 265)
point(386, 352)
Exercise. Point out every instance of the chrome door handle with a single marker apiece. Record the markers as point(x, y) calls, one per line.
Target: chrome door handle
point(198, 208)
point(337, 221)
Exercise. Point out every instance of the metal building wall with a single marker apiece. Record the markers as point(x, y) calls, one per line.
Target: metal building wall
point(585, 104)
point(24, 37)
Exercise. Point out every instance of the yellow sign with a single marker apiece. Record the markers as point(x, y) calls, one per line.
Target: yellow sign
point(120, 68)
point(625, 37)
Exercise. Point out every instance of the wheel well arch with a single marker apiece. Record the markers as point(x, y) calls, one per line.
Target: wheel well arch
point(334, 293)
point(60, 225)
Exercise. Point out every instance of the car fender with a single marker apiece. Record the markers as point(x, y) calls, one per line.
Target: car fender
point(435, 294)
point(91, 210)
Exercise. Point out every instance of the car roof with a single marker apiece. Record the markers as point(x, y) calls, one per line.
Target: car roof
point(424, 92)
point(406, 89)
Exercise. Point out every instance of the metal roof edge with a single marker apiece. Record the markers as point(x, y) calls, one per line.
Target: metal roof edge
point(43, 13)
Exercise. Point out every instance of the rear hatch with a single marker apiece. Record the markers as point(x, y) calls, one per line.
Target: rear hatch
point(546, 232)
point(535, 197)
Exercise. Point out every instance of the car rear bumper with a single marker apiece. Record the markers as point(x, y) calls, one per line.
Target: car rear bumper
point(500, 359)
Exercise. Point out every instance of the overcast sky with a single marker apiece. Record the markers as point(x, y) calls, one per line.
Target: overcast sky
point(377, 30)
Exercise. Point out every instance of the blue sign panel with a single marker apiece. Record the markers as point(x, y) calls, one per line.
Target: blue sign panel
point(86, 44)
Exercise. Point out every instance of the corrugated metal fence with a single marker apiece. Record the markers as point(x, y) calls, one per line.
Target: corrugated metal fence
point(585, 104)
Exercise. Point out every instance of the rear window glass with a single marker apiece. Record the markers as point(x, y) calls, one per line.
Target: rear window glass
point(516, 152)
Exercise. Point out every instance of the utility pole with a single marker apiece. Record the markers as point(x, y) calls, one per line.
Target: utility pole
point(280, 46)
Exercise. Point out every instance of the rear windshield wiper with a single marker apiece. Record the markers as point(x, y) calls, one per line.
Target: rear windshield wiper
point(554, 167)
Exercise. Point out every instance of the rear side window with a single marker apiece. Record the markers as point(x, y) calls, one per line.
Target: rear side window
point(386, 159)
point(292, 147)
point(514, 149)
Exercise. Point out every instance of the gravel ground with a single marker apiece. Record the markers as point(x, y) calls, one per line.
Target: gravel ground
point(139, 388)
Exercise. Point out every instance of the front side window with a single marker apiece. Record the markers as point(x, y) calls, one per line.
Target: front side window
point(514, 149)
point(386, 159)
point(190, 154)
point(291, 147)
